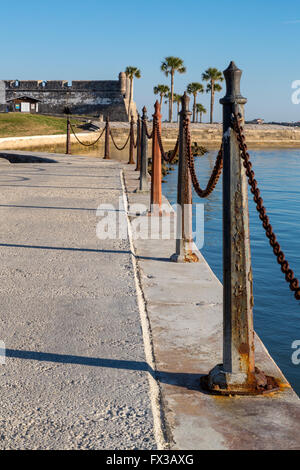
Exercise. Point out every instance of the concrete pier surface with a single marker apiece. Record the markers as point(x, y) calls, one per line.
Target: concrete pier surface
point(184, 306)
point(107, 339)
point(75, 375)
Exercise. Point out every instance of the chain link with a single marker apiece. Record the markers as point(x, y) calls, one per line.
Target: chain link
point(285, 268)
point(132, 137)
point(119, 148)
point(216, 173)
point(146, 129)
point(172, 154)
point(82, 143)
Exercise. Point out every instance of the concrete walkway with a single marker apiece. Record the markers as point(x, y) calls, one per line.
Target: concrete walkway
point(75, 374)
point(107, 339)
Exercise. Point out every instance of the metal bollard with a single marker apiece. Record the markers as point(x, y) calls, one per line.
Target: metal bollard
point(184, 239)
point(144, 185)
point(107, 132)
point(155, 205)
point(68, 142)
point(237, 374)
point(131, 142)
point(138, 144)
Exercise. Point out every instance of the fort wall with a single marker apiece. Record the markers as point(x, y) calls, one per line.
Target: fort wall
point(94, 97)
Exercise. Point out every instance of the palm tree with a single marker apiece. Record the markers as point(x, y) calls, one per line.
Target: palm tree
point(169, 66)
point(177, 100)
point(192, 89)
point(200, 109)
point(212, 76)
point(131, 73)
point(161, 90)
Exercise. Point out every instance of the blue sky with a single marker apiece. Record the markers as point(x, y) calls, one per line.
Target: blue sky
point(98, 39)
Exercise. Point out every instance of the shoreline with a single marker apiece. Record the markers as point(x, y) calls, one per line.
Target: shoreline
point(257, 135)
point(209, 135)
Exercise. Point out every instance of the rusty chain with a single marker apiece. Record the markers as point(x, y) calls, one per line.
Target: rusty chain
point(285, 268)
point(147, 132)
point(172, 154)
point(132, 137)
point(82, 143)
point(216, 173)
point(119, 148)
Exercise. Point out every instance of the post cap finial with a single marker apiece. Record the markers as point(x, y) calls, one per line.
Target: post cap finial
point(156, 109)
point(233, 79)
point(185, 101)
point(144, 110)
point(232, 66)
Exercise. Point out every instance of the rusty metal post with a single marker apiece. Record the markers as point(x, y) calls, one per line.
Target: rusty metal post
point(131, 142)
point(138, 144)
point(144, 185)
point(237, 374)
point(106, 147)
point(68, 142)
point(155, 205)
point(184, 239)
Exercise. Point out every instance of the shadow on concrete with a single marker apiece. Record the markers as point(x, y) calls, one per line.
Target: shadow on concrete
point(188, 381)
point(62, 248)
point(27, 170)
point(19, 158)
point(61, 208)
point(49, 207)
point(82, 175)
point(29, 186)
point(153, 258)
point(80, 360)
point(14, 180)
point(91, 250)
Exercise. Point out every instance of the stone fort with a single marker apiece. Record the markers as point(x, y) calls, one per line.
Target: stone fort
point(97, 97)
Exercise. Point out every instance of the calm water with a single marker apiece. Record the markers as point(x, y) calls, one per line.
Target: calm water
point(276, 312)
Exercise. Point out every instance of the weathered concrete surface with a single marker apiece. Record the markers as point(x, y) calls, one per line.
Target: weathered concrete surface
point(75, 374)
point(184, 306)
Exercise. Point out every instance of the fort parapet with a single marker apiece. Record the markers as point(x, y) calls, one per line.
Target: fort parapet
point(95, 97)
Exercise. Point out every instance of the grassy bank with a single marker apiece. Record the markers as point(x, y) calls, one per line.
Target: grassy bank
point(18, 125)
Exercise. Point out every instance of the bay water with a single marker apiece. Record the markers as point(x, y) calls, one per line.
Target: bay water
point(276, 312)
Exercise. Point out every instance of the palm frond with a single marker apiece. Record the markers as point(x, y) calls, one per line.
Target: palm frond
point(194, 87)
point(132, 72)
point(172, 64)
point(212, 74)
